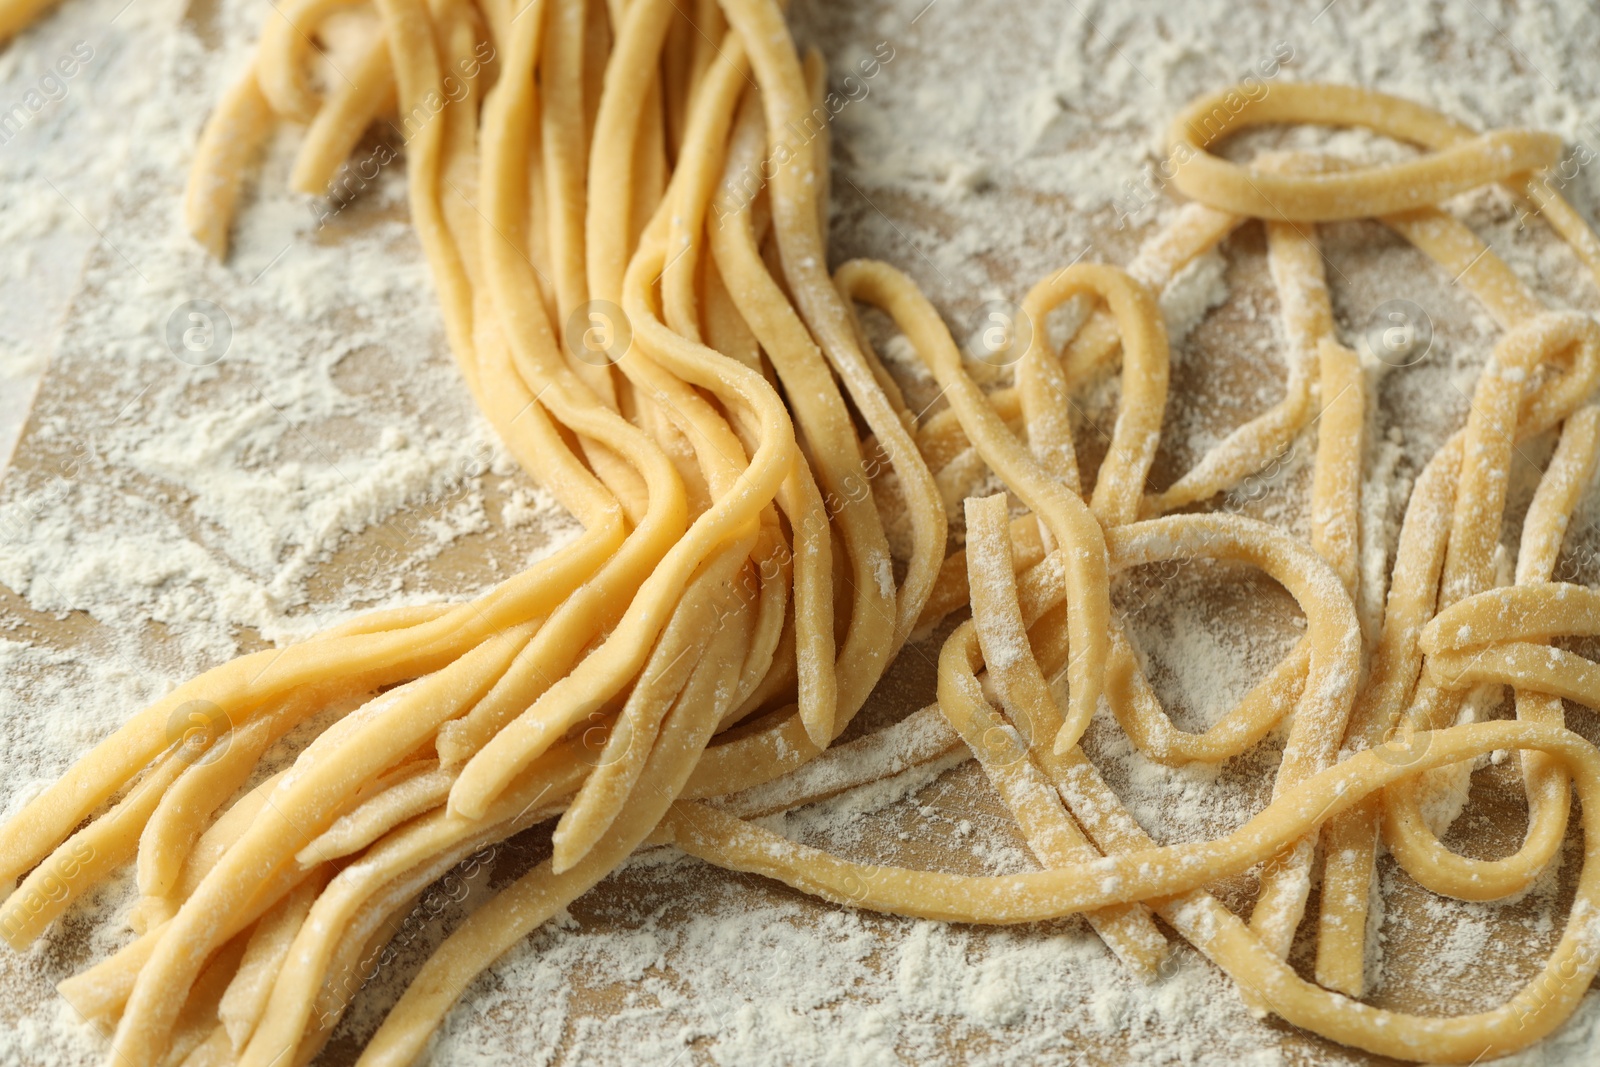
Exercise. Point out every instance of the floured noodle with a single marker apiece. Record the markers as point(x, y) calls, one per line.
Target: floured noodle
point(622, 205)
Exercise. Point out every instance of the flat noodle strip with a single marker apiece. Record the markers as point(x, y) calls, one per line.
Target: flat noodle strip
point(1536, 1009)
point(284, 50)
point(215, 774)
point(1069, 521)
point(1002, 746)
point(339, 124)
point(234, 135)
point(1351, 844)
point(246, 996)
point(1461, 160)
point(1569, 472)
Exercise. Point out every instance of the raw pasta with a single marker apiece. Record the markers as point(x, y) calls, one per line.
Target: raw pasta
point(638, 298)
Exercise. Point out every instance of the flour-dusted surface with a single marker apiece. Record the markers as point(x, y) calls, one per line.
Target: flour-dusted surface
point(161, 517)
point(59, 158)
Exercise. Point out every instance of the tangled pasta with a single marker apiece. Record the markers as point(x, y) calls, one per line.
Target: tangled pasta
point(655, 336)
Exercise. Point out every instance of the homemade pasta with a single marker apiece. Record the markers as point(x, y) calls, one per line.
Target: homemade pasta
point(639, 300)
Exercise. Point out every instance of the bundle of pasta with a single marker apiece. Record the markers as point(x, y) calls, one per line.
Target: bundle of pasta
point(656, 339)
point(701, 595)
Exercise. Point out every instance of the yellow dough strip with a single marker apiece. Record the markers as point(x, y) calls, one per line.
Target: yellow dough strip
point(1468, 567)
point(1170, 870)
point(527, 903)
point(1070, 522)
point(1548, 800)
point(342, 120)
point(231, 138)
point(282, 66)
point(1461, 160)
point(298, 809)
point(1001, 746)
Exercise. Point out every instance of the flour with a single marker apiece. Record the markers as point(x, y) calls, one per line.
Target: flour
point(58, 165)
point(169, 516)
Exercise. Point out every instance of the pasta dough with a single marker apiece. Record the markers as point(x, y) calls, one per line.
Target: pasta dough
point(638, 299)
